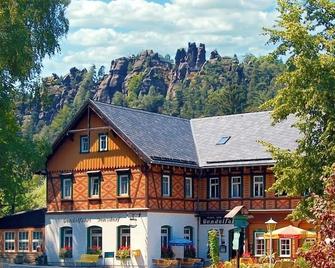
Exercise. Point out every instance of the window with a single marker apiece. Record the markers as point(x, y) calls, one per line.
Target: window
point(94, 238)
point(123, 236)
point(36, 241)
point(166, 184)
point(9, 241)
point(236, 186)
point(223, 140)
point(94, 186)
point(188, 233)
point(258, 186)
point(188, 187)
point(165, 235)
point(214, 188)
point(66, 188)
point(285, 247)
point(259, 243)
point(103, 141)
point(123, 184)
point(66, 237)
point(23, 241)
point(84, 144)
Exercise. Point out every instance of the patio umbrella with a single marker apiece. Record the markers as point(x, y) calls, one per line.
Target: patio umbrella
point(180, 242)
point(290, 232)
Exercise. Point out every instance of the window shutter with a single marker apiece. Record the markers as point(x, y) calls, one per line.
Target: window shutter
point(208, 190)
point(230, 186)
point(89, 186)
point(61, 237)
point(219, 177)
point(161, 184)
point(118, 185)
point(118, 238)
point(264, 184)
point(185, 186)
point(242, 185)
point(61, 187)
point(88, 238)
point(170, 184)
point(251, 185)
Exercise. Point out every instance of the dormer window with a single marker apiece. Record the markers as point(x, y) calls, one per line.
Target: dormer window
point(84, 144)
point(223, 140)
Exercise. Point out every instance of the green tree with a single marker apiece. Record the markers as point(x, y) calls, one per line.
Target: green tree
point(305, 33)
point(30, 30)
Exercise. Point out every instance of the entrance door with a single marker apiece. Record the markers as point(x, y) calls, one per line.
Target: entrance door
point(230, 244)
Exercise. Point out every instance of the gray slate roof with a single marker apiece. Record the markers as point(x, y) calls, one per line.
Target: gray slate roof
point(161, 138)
point(245, 130)
point(171, 140)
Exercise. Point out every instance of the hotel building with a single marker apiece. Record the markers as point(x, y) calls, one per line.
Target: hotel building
point(125, 177)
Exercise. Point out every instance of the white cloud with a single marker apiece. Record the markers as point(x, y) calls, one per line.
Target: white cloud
point(100, 31)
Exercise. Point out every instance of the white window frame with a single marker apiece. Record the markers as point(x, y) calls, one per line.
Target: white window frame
point(67, 236)
point(98, 236)
point(123, 178)
point(10, 240)
point(101, 141)
point(36, 241)
point(126, 235)
point(92, 180)
point(189, 194)
point(257, 239)
point(188, 232)
point(258, 184)
point(166, 182)
point(23, 241)
point(215, 184)
point(64, 196)
point(84, 142)
point(281, 240)
point(165, 234)
point(236, 184)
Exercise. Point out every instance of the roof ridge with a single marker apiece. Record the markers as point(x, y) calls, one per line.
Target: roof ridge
point(140, 110)
point(228, 115)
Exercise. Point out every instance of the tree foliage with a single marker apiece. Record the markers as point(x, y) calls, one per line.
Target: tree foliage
point(30, 30)
point(305, 34)
point(322, 253)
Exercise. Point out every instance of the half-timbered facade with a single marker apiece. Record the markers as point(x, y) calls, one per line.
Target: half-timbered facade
point(125, 177)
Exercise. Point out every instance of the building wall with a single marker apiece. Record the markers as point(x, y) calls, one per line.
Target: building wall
point(67, 157)
point(30, 255)
point(227, 202)
point(177, 222)
point(108, 221)
point(108, 198)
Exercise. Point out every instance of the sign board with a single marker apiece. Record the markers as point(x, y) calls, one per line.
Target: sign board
point(241, 221)
point(215, 219)
point(109, 255)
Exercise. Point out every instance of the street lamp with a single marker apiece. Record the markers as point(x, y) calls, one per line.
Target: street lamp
point(271, 226)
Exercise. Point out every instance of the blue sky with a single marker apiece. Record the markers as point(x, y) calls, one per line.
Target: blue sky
point(102, 30)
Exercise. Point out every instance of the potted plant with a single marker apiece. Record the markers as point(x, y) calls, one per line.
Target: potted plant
point(65, 253)
point(189, 252)
point(123, 253)
point(95, 250)
point(167, 253)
